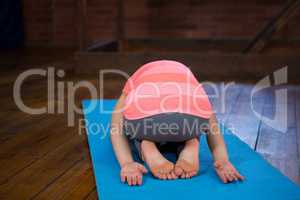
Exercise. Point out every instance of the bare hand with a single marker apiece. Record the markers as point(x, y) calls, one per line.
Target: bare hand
point(227, 172)
point(132, 173)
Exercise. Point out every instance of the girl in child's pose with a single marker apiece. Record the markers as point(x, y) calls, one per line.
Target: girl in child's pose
point(164, 107)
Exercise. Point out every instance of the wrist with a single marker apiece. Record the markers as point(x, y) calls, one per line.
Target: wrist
point(221, 160)
point(220, 156)
point(126, 163)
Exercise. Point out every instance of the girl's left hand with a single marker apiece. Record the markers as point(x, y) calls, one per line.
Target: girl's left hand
point(226, 171)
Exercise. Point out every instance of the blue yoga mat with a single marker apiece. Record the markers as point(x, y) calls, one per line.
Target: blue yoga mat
point(262, 180)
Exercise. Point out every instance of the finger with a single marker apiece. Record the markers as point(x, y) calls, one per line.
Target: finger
point(222, 177)
point(232, 176)
point(229, 174)
point(129, 180)
point(139, 179)
point(239, 176)
point(134, 180)
point(126, 179)
point(123, 178)
point(228, 177)
point(235, 177)
point(169, 176)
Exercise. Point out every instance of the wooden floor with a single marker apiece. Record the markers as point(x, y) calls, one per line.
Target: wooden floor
point(42, 158)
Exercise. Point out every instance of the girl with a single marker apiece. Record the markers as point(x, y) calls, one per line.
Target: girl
point(164, 108)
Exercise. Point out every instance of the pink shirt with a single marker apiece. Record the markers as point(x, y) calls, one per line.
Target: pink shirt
point(164, 86)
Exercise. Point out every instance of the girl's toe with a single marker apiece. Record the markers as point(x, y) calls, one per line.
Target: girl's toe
point(183, 175)
point(178, 171)
point(174, 176)
point(158, 175)
point(187, 175)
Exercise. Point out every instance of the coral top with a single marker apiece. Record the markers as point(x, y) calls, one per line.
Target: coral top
point(164, 86)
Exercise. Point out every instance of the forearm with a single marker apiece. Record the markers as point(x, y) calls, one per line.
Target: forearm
point(118, 139)
point(215, 140)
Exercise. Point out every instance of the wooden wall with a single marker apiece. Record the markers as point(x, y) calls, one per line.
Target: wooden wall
point(56, 22)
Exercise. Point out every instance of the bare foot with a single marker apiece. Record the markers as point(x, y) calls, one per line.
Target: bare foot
point(160, 167)
point(187, 164)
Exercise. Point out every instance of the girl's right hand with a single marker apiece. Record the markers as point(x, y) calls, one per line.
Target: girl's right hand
point(227, 171)
point(132, 173)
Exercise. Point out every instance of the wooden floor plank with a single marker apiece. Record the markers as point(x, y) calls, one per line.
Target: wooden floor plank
point(29, 147)
point(85, 186)
point(222, 97)
point(298, 122)
point(23, 123)
point(92, 196)
point(242, 121)
point(39, 175)
point(280, 148)
point(76, 183)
